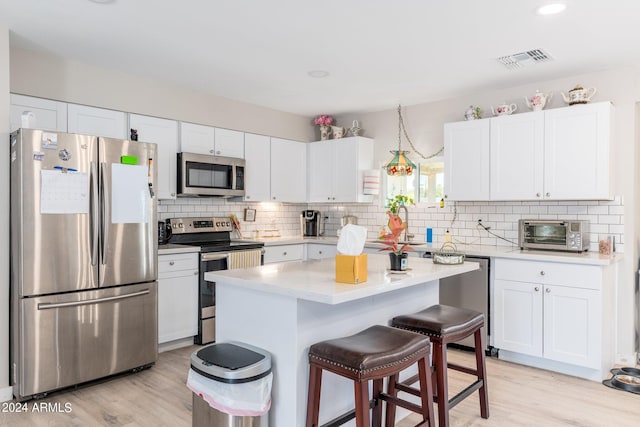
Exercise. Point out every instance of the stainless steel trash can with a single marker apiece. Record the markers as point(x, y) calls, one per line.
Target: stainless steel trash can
point(230, 364)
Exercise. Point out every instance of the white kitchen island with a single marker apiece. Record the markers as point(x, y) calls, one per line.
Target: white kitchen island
point(285, 308)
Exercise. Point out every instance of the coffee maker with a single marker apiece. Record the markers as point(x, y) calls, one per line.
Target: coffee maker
point(311, 223)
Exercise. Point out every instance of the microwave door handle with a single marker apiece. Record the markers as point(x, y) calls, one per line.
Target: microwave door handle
point(95, 213)
point(233, 177)
point(214, 256)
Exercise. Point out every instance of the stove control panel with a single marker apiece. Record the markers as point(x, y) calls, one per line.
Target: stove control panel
point(200, 225)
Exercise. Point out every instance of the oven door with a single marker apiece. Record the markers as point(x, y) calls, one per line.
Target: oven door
point(543, 235)
point(211, 261)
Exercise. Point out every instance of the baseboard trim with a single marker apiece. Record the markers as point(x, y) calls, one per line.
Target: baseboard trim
point(6, 394)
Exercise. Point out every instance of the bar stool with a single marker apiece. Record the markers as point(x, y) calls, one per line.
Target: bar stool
point(444, 324)
point(372, 354)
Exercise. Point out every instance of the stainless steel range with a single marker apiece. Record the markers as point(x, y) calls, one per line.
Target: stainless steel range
point(217, 252)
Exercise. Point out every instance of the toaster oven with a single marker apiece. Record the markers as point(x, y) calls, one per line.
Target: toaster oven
point(558, 235)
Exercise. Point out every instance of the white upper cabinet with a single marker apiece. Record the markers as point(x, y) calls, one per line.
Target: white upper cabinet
point(558, 154)
point(288, 171)
point(257, 177)
point(197, 139)
point(45, 113)
point(164, 133)
point(201, 139)
point(336, 168)
point(517, 151)
point(229, 143)
point(466, 160)
point(96, 121)
point(577, 156)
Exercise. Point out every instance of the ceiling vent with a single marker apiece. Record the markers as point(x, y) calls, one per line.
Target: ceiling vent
point(522, 59)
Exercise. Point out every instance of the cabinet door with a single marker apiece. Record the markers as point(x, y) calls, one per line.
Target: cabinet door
point(177, 305)
point(346, 170)
point(518, 317)
point(572, 332)
point(197, 138)
point(466, 158)
point(47, 114)
point(96, 121)
point(258, 168)
point(517, 150)
point(164, 133)
point(577, 159)
point(288, 170)
point(229, 143)
point(320, 171)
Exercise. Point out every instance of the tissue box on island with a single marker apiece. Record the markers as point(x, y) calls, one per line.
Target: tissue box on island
point(351, 269)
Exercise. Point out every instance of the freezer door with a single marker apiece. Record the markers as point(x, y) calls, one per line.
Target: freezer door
point(129, 242)
point(82, 336)
point(53, 241)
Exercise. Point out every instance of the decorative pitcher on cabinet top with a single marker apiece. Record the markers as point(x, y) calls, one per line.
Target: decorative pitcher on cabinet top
point(538, 101)
point(504, 109)
point(579, 95)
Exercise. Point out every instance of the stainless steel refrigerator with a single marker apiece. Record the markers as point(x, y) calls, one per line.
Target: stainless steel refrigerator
point(83, 259)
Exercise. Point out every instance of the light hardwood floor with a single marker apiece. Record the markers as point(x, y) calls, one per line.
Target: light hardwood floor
point(518, 396)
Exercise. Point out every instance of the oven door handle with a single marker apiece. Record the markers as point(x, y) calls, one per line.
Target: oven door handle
point(213, 256)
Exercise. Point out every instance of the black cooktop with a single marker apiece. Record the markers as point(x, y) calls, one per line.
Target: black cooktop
point(211, 234)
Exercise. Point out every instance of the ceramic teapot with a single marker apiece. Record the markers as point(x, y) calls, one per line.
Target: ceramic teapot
point(538, 101)
point(504, 109)
point(579, 95)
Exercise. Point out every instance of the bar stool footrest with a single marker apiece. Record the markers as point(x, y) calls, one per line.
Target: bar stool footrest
point(465, 393)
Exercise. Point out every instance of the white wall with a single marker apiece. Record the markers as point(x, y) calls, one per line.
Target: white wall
point(5, 391)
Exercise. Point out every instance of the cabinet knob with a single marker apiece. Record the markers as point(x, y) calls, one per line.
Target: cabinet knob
point(218, 152)
point(171, 263)
point(536, 289)
point(195, 273)
point(537, 194)
point(320, 252)
point(284, 253)
point(173, 194)
point(547, 290)
point(211, 151)
point(542, 273)
point(247, 197)
point(548, 195)
point(445, 196)
point(328, 198)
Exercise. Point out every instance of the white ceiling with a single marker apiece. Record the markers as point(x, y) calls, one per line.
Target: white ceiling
point(378, 52)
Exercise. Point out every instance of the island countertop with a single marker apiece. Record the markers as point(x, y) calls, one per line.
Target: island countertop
point(314, 280)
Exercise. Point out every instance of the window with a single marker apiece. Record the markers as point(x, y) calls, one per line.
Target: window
point(426, 185)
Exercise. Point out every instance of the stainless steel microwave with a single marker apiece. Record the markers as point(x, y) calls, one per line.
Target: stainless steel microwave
point(204, 175)
point(556, 235)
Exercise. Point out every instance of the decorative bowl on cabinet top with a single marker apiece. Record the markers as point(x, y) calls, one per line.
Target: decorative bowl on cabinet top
point(504, 109)
point(538, 101)
point(579, 95)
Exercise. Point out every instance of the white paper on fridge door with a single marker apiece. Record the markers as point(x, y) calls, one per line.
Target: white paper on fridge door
point(64, 193)
point(130, 200)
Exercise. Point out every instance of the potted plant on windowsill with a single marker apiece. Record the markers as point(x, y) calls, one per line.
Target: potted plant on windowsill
point(391, 241)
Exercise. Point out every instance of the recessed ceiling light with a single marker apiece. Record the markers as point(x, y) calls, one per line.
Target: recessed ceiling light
point(102, 1)
point(551, 9)
point(318, 74)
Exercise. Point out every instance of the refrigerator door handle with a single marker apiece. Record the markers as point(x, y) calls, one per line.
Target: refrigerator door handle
point(50, 305)
point(95, 214)
point(104, 202)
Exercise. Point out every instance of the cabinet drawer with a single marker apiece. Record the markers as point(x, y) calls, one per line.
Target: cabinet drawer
point(283, 253)
point(315, 251)
point(551, 273)
point(177, 262)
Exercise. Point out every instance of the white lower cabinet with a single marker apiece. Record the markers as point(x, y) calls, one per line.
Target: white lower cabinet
point(283, 253)
point(320, 251)
point(552, 311)
point(177, 296)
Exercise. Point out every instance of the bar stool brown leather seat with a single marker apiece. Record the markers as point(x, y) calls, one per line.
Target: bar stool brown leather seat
point(445, 324)
point(371, 355)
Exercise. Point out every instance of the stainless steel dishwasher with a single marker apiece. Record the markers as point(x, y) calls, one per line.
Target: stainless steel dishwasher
point(469, 290)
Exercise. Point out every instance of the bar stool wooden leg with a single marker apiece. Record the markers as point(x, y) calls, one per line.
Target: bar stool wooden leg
point(482, 369)
point(362, 404)
point(390, 418)
point(313, 399)
point(426, 394)
point(440, 356)
point(376, 413)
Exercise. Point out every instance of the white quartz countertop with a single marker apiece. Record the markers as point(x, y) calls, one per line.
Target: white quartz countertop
point(314, 280)
point(512, 252)
point(177, 249)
